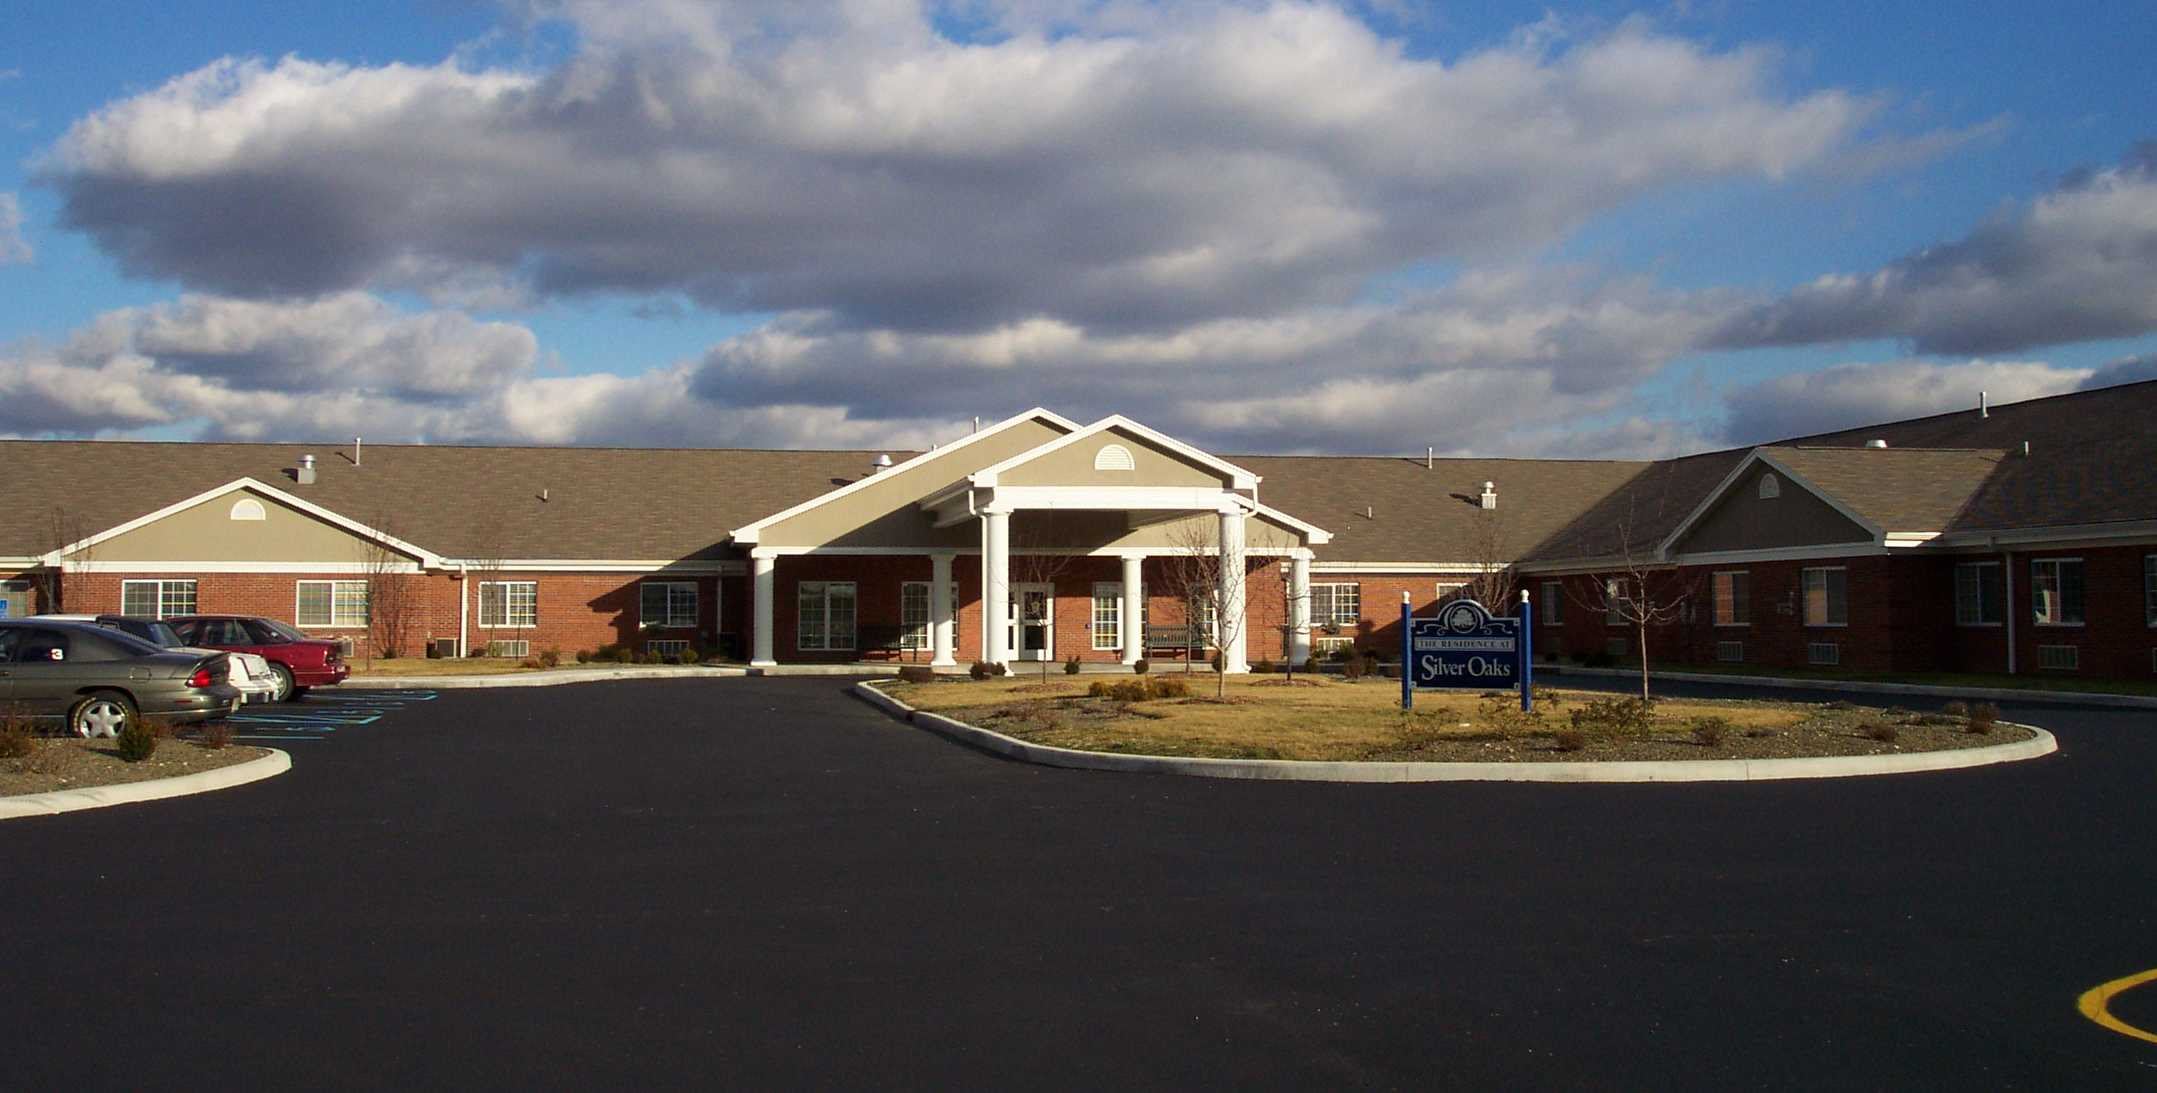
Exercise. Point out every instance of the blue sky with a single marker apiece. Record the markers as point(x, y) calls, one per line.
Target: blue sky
point(919, 216)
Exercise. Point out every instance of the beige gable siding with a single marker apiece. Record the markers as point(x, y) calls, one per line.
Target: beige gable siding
point(206, 532)
point(887, 513)
point(1742, 520)
point(1073, 465)
point(1164, 533)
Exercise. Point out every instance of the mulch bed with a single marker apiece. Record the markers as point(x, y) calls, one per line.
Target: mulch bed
point(73, 763)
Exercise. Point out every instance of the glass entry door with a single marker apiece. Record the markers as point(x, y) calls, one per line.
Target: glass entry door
point(1033, 621)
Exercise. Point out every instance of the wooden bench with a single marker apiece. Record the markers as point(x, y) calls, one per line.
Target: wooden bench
point(1187, 640)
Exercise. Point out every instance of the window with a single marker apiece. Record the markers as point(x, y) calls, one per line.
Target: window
point(669, 605)
point(1771, 487)
point(2149, 589)
point(2056, 591)
point(1336, 604)
point(1827, 596)
point(915, 611)
point(1553, 603)
point(824, 615)
point(1977, 594)
point(518, 648)
point(331, 604)
point(1114, 457)
point(1614, 601)
point(508, 603)
point(1108, 615)
point(247, 508)
point(1733, 598)
point(157, 599)
point(1448, 591)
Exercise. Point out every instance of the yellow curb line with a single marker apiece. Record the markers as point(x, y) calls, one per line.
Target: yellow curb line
point(2096, 1004)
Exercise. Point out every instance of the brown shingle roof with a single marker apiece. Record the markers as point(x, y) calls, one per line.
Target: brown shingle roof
point(1896, 489)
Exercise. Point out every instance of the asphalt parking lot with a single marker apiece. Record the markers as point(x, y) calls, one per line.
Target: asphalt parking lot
point(764, 882)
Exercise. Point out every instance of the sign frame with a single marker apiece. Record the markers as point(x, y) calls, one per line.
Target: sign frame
point(1464, 635)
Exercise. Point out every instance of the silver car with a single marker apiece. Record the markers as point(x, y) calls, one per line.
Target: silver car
point(248, 673)
point(95, 681)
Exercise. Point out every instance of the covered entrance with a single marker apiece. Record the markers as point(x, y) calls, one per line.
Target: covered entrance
point(1033, 621)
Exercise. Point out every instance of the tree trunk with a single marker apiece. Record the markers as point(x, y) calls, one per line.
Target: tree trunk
point(1643, 661)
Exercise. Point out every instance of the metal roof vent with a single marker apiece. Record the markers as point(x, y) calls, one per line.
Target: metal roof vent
point(1489, 496)
point(880, 464)
point(1984, 404)
point(305, 475)
point(1876, 443)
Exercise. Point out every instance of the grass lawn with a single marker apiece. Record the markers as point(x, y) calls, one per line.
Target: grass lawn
point(1265, 718)
point(1935, 679)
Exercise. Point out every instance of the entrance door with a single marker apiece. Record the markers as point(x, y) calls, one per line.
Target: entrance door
point(1033, 621)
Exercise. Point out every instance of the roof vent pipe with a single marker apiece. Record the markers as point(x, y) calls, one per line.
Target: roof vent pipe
point(1430, 458)
point(305, 475)
point(2025, 449)
point(1490, 495)
point(1984, 404)
point(977, 423)
point(355, 451)
point(881, 464)
point(1370, 513)
point(1876, 443)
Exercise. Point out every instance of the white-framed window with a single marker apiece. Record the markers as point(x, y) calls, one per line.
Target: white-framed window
point(157, 599)
point(1114, 457)
point(1771, 487)
point(1977, 594)
point(247, 508)
point(1614, 592)
point(1733, 597)
point(1553, 603)
point(667, 647)
point(667, 605)
point(2149, 589)
point(915, 613)
point(508, 603)
point(1827, 596)
point(1336, 605)
point(824, 616)
point(1448, 591)
point(1107, 622)
point(330, 605)
point(2056, 591)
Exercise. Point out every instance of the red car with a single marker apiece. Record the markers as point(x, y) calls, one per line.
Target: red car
point(297, 661)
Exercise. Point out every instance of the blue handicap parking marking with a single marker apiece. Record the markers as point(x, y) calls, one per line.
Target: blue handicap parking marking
point(322, 714)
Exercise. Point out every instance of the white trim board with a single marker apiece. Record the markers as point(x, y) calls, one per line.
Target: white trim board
point(341, 569)
point(975, 551)
point(427, 558)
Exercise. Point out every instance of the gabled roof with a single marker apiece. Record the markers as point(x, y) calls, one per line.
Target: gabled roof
point(237, 485)
point(1239, 477)
point(1893, 489)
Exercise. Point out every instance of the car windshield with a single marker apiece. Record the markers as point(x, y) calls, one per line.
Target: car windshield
point(278, 631)
point(150, 630)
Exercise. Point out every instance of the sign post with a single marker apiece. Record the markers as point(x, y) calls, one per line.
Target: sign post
point(1466, 646)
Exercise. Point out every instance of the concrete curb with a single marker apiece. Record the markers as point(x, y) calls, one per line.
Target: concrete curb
point(1305, 770)
point(157, 789)
point(543, 678)
point(1990, 694)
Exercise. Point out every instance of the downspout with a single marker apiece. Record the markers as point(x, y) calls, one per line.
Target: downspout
point(464, 609)
point(2007, 568)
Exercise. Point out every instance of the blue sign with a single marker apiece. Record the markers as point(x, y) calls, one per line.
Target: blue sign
point(3, 608)
point(1464, 645)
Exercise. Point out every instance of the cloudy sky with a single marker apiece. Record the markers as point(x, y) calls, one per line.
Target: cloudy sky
point(1572, 229)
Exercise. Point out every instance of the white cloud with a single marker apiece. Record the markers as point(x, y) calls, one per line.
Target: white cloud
point(1115, 168)
point(13, 247)
point(1850, 395)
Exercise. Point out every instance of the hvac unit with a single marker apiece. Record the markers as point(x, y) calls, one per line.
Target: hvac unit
point(1824, 653)
point(2059, 658)
point(1730, 652)
point(519, 648)
point(442, 648)
point(346, 648)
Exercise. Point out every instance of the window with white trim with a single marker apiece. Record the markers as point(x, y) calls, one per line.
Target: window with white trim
point(1614, 594)
point(1827, 596)
point(2056, 591)
point(508, 603)
point(667, 647)
point(2149, 589)
point(1978, 594)
point(824, 615)
point(667, 605)
point(1553, 603)
point(1448, 591)
point(1108, 615)
point(247, 508)
point(1336, 605)
point(1114, 457)
point(915, 612)
point(1733, 597)
point(330, 605)
point(157, 599)
point(1771, 487)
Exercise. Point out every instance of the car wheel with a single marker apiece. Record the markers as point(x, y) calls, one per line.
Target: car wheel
point(101, 714)
point(281, 676)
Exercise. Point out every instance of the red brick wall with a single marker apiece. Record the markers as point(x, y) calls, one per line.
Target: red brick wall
point(2115, 638)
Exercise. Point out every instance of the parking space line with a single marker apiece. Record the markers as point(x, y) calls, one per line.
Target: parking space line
point(2096, 1004)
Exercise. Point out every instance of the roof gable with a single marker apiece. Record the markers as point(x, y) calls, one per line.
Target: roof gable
point(1082, 459)
point(1763, 505)
point(246, 519)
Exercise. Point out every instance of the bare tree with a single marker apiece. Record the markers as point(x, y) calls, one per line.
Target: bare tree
point(63, 528)
point(1495, 582)
point(485, 565)
point(1638, 589)
point(1195, 572)
point(391, 599)
point(1036, 559)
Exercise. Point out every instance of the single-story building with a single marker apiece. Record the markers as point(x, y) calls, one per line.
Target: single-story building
point(2019, 538)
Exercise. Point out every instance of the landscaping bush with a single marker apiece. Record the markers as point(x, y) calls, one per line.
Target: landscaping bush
point(917, 673)
point(476, 651)
point(1166, 687)
point(1708, 732)
point(689, 656)
point(216, 735)
point(1214, 662)
point(1883, 731)
point(1615, 716)
point(1569, 739)
point(16, 740)
point(1139, 666)
point(625, 655)
point(1546, 696)
point(1957, 708)
point(1263, 667)
point(138, 741)
point(1310, 664)
point(999, 669)
point(584, 656)
point(1983, 716)
point(1352, 668)
point(978, 669)
point(1502, 712)
point(529, 662)
point(548, 658)
point(1071, 667)
point(1139, 690)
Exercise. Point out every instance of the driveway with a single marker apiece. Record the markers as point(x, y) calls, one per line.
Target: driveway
point(762, 881)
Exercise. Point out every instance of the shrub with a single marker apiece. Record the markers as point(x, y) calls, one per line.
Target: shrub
point(16, 742)
point(625, 655)
point(1616, 716)
point(1214, 662)
point(1263, 667)
point(1708, 732)
point(1099, 688)
point(550, 657)
point(476, 651)
point(1166, 687)
point(1502, 712)
point(1139, 666)
point(138, 741)
point(216, 735)
point(1957, 708)
point(1983, 716)
point(1546, 696)
point(999, 669)
point(1310, 664)
point(1883, 731)
point(584, 656)
point(1071, 667)
point(1569, 739)
point(528, 662)
point(978, 669)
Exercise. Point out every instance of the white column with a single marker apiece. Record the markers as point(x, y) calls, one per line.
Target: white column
point(942, 627)
point(1233, 658)
point(1299, 609)
point(1133, 608)
point(996, 590)
point(763, 582)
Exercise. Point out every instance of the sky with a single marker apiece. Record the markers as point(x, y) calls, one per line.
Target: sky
point(1563, 230)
